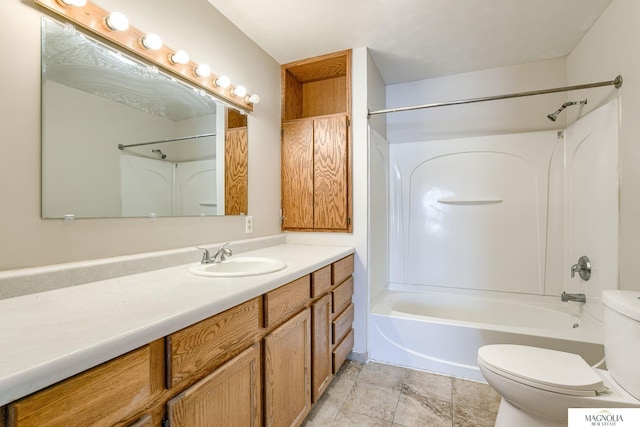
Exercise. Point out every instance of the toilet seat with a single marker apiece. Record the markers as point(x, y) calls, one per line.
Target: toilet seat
point(544, 369)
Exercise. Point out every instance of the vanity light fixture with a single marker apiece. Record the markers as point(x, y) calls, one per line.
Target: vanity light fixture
point(117, 21)
point(179, 57)
point(223, 82)
point(202, 70)
point(73, 3)
point(115, 28)
point(252, 99)
point(239, 90)
point(151, 41)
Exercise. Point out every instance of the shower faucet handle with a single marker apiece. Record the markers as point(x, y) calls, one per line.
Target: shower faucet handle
point(583, 268)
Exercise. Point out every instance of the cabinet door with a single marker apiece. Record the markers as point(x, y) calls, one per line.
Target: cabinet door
point(297, 174)
point(321, 347)
point(236, 172)
point(330, 179)
point(287, 373)
point(230, 396)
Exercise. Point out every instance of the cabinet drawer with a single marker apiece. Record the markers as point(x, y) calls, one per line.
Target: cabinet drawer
point(342, 324)
point(195, 350)
point(341, 296)
point(320, 281)
point(101, 396)
point(342, 351)
point(281, 303)
point(342, 269)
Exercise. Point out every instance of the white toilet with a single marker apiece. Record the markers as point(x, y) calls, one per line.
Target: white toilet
point(539, 385)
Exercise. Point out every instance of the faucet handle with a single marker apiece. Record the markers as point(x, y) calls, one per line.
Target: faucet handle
point(206, 258)
point(224, 251)
point(583, 268)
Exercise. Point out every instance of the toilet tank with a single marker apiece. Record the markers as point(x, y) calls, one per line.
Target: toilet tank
point(622, 337)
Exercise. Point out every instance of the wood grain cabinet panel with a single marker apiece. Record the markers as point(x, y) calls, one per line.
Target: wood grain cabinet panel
point(297, 174)
point(320, 281)
point(230, 396)
point(146, 421)
point(195, 350)
point(342, 350)
point(286, 300)
point(330, 167)
point(342, 324)
point(320, 347)
point(236, 172)
point(102, 396)
point(342, 269)
point(341, 296)
point(287, 372)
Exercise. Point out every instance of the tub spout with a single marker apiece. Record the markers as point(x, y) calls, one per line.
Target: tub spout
point(573, 297)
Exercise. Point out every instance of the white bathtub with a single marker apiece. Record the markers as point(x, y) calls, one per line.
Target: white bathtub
point(441, 332)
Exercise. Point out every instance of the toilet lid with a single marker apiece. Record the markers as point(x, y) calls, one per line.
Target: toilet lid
point(545, 369)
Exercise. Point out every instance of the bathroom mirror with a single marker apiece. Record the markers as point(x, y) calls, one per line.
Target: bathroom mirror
point(122, 139)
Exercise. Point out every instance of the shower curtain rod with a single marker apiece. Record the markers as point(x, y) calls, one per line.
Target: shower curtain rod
point(617, 82)
point(204, 135)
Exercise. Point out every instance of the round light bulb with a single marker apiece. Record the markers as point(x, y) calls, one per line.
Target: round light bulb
point(180, 57)
point(240, 91)
point(151, 41)
point(117, 21)
point(202, 70)
point(252, 99)
point(223, 82)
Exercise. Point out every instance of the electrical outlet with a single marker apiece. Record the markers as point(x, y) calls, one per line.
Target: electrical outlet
point(248, 224)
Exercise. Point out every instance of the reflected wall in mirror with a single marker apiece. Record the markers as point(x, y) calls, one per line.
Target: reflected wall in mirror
point(122, 139)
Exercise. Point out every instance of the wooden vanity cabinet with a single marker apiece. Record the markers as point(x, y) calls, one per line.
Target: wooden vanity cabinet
point(316, 148)
point(262, 361)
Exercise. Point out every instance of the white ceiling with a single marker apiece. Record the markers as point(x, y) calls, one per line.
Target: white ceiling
point(417, 39)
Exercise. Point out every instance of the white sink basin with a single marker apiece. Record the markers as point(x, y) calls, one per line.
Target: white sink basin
point(239, 266)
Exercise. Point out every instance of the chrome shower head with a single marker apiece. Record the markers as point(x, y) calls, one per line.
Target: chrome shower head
point(160, 153)
point(554, 116)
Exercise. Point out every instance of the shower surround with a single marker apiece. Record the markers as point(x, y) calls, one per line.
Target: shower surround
point(500, 218)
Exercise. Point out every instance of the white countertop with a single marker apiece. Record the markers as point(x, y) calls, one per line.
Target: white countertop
point(49, 336)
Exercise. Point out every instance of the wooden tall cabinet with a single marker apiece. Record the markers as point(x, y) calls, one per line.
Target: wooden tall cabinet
point(316, 147)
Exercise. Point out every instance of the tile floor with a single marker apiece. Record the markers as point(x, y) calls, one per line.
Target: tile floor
point(379, 395)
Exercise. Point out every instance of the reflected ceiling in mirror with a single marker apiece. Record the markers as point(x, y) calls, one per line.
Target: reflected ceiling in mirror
point(120, 138)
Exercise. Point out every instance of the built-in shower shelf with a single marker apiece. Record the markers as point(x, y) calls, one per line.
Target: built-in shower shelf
point(469, 201)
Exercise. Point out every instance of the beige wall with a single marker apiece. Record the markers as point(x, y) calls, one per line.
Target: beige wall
point(193, 25)
point(484, 118)
point(608, 49)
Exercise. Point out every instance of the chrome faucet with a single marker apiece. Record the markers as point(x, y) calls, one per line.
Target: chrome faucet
point(221, 254)
point(573, 297)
